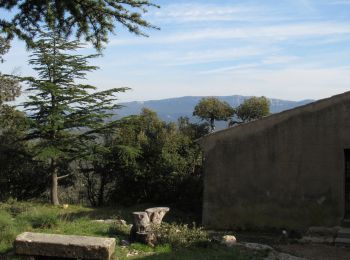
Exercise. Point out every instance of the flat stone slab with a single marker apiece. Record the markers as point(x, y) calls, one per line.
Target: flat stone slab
point(317, 239)
point(344, 232)
point(339, 241)
point(67, 246)
point(323, 231)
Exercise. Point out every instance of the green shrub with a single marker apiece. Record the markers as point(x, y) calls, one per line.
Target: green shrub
point(179, 236)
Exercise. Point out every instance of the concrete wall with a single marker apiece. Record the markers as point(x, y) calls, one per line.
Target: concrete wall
point(284, 171)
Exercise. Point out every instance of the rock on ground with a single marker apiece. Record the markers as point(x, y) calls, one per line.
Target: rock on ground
point(229, 240)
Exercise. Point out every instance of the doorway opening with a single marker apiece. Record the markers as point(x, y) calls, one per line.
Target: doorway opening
point(347, 183)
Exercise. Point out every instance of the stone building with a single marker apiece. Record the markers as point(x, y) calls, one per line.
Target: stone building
point(287, 170)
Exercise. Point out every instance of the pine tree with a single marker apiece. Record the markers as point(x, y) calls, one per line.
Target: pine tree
point(63, 112)
point(88, 18)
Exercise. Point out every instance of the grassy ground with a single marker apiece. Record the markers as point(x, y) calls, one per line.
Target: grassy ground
point(182, 242)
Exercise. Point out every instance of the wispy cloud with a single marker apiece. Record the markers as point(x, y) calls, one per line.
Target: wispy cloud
point(267, 60)
point(201, 12)
point(280, 59)
point(290, 49)
point(231, 68)
point(206, 56)
point(272, 33)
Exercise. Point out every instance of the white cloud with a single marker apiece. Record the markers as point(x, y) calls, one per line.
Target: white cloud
point(270, 33)
point(230, 68)
point(288, 83)
point(280, 59)
point(205, 56)
point(195, 12)
point(295, 83)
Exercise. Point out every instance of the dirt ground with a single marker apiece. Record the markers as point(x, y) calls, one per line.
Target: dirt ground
point(307, 251)
point(316, 252)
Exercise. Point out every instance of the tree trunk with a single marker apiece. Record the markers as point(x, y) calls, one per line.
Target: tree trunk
point(101, 191)
point(90, 190)
point(212, 124)
point(54, 185)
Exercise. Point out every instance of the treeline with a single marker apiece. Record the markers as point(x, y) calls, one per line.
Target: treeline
point(213, 109)
point(142, 159)
point(145, 160)
point(65, 139)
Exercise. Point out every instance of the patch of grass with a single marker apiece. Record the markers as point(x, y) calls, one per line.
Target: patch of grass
point(163, 249)
point(7, 231)
point(5, 220)
point(176, 241)
point(214, 252)
point(141, 248)
point(166, 252)
point(15, 208)
point(43, 218)
point(81, 227)
point(120, 232)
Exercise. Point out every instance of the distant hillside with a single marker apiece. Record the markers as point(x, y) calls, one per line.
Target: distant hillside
point(171, 109)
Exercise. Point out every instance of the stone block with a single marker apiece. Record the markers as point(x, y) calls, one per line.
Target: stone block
point(323, 231)
point(65, 246)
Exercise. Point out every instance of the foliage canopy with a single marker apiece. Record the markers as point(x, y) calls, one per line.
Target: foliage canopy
point(211, 109)
point(88, 18)
point(253, 108)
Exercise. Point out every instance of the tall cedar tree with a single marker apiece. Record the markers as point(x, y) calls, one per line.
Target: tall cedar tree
point(63, 112)
point(88, 18)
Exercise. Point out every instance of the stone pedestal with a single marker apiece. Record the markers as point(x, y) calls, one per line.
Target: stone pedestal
point(156, 215)
point(143, 221)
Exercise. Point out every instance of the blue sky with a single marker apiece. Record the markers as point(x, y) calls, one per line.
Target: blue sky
point(289, 49)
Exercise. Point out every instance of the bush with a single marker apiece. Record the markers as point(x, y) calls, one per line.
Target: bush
point(180, 236)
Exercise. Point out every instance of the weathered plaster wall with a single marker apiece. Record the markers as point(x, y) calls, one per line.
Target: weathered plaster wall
point(286, 170)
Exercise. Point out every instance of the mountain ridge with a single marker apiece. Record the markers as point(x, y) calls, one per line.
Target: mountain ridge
point(170, 109)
